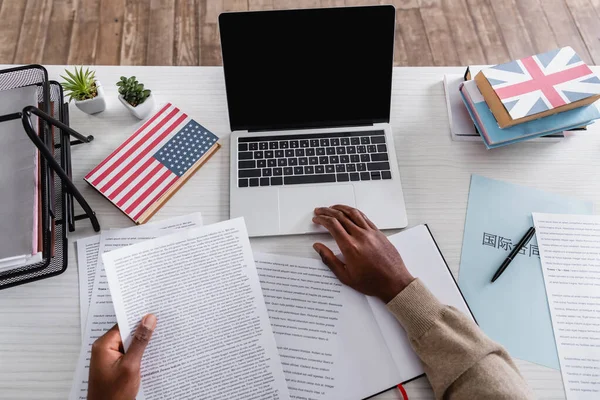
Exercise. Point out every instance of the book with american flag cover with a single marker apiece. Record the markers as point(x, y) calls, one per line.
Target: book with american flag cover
point(153, 163)
point(538, 86)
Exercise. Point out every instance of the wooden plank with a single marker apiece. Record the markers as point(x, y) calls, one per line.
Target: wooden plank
point(260, 4)
point(112, 14)
point(409, 24)
point(332, 3)
point(161, 31)
point(586, 18)
point(438, 33)
point(565, 30)
point(595, 35)
point(405, 4)
point(488, 31)
point(85, 33)
point(32, 38)
point(540, 33)
point(464, 34)
point(351, 3)
point(58, 34)
point(135, 32)
point(211, 10)
point(513, 29)
point(235, 5)
point(400, 55)
point(210, 42)
point(11, 15)
point(295, 4)
point(210, 46)
point(187, 50)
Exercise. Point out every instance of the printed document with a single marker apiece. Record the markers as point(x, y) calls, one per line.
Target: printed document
point(101, 315)
point(87, 258)
point(213, 338)
point(570, 253)
point(498, 215)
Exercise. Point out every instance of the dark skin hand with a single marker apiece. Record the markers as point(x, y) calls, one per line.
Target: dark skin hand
point(372, 265)
point(115, 375)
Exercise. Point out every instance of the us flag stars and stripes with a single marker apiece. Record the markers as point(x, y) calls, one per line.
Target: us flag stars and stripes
point(185, 148)
point(138, 173)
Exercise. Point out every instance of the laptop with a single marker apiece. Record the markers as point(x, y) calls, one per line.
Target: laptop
point(309, 97)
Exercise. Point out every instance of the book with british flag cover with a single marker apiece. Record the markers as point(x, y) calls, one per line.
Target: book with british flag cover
point(556, 80)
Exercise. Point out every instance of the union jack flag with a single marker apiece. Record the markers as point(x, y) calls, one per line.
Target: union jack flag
point(542, 82)
point(158, 156)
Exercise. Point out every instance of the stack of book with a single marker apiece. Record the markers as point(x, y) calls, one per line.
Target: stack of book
point(535, 96)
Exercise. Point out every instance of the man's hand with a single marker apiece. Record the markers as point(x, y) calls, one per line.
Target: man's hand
point(114, 375)
point(373, 265)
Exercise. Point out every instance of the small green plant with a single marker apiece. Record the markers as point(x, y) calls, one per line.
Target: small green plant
point(132, 91)
point(80, 85)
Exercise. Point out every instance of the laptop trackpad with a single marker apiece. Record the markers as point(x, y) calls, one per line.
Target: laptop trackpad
point(297, 204)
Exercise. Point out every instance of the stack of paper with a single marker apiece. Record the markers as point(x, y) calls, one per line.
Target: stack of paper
point(19, 205)
point(96, 308)
point(498, 214)
point(233, 324)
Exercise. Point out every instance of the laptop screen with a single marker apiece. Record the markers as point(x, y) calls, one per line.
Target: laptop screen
point(308, 68)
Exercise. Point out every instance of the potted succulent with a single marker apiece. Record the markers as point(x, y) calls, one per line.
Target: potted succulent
point(135, 98)
point(83, 87)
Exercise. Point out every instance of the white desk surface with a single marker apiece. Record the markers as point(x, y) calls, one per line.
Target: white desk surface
point(39, 322)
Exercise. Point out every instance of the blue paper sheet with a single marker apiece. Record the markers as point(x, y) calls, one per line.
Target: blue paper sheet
point(513, 310)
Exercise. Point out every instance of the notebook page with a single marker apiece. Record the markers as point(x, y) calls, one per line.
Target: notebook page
point(424, 261)
point(213, 338)
point(328, 340)
point(570, 251)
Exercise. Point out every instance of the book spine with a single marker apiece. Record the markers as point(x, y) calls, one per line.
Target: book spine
point(493, 101)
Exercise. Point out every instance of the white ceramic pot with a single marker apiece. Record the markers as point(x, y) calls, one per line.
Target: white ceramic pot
point(95, 105)
point(143, 110)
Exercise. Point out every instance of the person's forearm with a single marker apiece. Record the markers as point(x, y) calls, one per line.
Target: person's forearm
point(459, 359)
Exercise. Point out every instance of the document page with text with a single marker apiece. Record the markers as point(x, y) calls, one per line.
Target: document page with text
point(570, 252)
point(101, 315)
point(87, 257)
point(213, 339)
point(329, 342)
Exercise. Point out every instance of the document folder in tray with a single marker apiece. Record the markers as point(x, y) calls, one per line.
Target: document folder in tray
point(52, 137)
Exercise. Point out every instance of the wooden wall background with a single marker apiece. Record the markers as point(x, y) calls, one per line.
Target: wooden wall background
point(185, 32)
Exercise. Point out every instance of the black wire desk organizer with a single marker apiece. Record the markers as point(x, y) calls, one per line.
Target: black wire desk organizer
point(58, 193)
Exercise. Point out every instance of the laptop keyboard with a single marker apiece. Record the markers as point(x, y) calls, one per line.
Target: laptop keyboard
point(312, 158)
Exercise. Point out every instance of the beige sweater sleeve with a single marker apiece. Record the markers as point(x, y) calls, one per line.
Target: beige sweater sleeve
point(460, 361)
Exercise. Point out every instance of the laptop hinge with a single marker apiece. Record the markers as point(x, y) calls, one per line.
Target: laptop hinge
point(314, 127)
